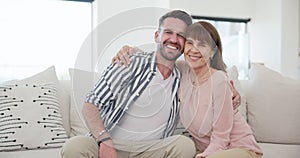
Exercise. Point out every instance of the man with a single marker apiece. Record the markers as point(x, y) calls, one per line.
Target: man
point(132, 112)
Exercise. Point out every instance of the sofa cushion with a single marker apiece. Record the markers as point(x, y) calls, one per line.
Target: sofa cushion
point(280, 150)
point(49, 75)
point(82, 82)
point(47, 153)
point(30, 115)
point(273, 106)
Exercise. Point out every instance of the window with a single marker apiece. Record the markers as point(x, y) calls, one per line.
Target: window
point(36, 34)
point(235, 41)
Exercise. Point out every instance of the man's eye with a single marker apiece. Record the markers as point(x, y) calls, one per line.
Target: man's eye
point(181, 36)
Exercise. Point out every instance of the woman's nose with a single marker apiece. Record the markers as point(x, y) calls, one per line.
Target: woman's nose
point(194, 49)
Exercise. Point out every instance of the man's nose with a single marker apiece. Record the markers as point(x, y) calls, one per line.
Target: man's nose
point(174, 37)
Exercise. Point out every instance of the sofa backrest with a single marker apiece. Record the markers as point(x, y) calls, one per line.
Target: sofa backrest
point(273, 106)
point(64, 98)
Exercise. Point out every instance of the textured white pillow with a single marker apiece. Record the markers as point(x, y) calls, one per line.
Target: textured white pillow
point(32, 134)
point(273, 106)
point(30, 117)
point(82, 82)
point(234, 76)
point(49, 75)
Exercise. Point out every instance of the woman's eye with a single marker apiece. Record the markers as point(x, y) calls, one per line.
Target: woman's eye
point(188, 42)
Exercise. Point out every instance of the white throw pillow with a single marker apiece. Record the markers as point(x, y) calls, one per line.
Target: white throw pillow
point(82, 83)
point(234, 76)
point(49, 75)
point(273, 106)
point(30, 116)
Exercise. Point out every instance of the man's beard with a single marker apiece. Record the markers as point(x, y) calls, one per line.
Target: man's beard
point(170, 56)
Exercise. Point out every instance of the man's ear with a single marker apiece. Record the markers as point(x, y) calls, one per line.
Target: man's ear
point(156, 37)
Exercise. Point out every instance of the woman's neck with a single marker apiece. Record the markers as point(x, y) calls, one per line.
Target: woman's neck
point(202, 74)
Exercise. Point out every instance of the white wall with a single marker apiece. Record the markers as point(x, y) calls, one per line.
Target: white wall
point(219, 8)
point(274, 28)
point(290, 37)
point(107, 9)
point(266, 33)
point(124, 22)
point(279, 25)
point(299, 43)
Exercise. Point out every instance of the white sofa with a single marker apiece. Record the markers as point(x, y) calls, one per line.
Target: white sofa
point(270, 103)
point(273, 106)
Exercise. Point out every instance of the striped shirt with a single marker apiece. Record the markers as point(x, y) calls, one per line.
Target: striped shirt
point(119, 87)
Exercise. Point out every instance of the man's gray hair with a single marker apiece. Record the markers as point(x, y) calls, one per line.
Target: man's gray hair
point(179, 14)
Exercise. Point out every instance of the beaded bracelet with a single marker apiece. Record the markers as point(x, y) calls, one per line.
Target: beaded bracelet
point(101, 133)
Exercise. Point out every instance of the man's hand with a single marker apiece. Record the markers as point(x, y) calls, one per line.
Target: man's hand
point(236, 98)
point(123, 55)
point(106, 150)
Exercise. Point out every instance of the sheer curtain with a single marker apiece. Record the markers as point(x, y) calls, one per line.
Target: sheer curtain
point(235, 46)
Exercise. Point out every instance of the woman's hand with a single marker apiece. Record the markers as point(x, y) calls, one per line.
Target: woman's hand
point(123, 55)
point(236, 98)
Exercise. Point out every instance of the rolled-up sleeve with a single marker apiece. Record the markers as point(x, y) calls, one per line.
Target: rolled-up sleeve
point(107, 86)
